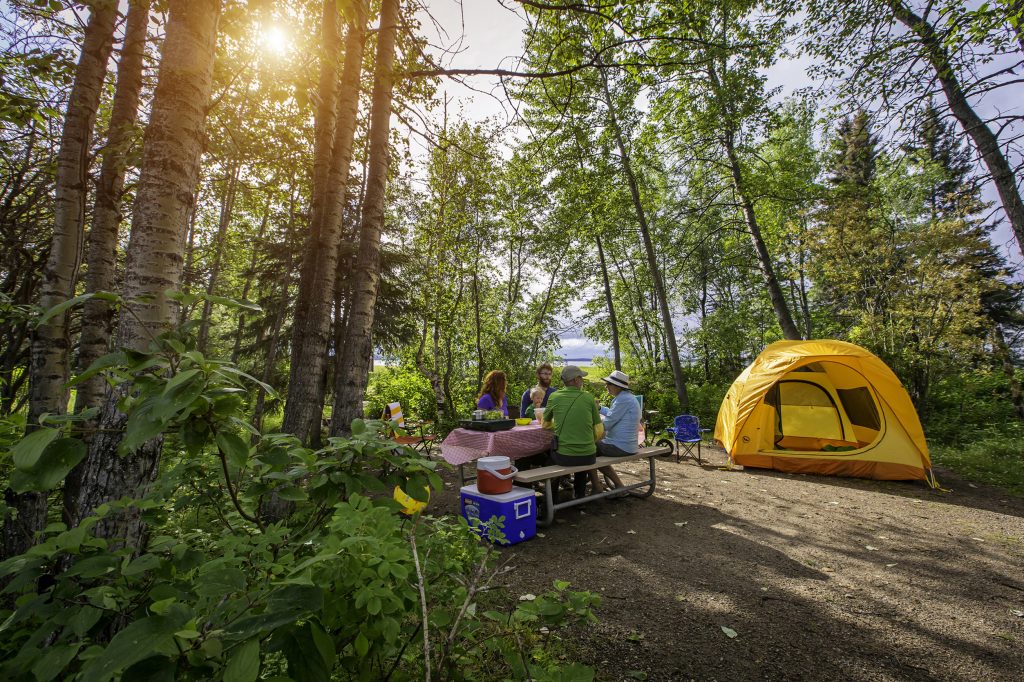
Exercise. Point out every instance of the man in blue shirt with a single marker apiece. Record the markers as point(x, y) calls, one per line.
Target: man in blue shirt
point(621, 424)
point(544, 373)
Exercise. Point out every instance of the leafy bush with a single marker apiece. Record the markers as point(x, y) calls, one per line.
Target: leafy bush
point(404, 385)
point(705, 401)
point(993, 455)
point(958, 407)
point(348, 585)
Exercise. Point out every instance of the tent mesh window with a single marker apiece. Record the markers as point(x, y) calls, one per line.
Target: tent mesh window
point(806, 409)
point(860, 407)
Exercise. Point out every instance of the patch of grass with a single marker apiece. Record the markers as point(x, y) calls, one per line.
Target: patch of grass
point(995, 458)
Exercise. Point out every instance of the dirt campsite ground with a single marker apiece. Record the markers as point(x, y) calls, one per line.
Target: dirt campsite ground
point(819, 578)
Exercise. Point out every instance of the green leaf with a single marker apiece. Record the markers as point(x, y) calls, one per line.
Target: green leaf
point(146, 562)
point(358, 427)
point(172, 403)
point(28, 450)
point(94, 566)
point(234, 448)
point(232, 303)
point(271, 393)
point(306, 660)
point(142, 639)
point(220, 582)
point(292, 494)
point(575, 672)
point(284, 606)
point(60, 308)
point(179, 379)
point(162, 605)
point(194, 438)
point(362, 644)
point(244, 665)
point(98, 365)
point(85, 619)
point(57, 460)
point(142, 427)
point(152, 669)
point(729, 632)
point(54, 661)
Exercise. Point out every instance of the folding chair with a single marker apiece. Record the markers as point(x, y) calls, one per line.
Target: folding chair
point(641, 427)
point(408, 432)
point(688, 434)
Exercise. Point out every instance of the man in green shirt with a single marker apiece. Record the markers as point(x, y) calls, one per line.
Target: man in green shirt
point(572, 414)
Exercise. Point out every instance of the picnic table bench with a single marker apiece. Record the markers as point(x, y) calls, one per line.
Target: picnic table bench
point(547, 474)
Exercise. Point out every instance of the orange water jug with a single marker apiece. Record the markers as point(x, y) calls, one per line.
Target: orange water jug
point(494, 475)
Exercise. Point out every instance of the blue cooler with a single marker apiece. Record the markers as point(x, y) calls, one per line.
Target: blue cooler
point(518, 506)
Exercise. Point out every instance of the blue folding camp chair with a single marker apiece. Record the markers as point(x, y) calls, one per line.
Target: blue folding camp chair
point(688, 434)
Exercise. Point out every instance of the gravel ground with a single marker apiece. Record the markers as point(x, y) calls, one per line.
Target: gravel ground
point(817, 577)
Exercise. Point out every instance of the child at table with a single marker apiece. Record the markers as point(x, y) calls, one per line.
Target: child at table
point(537, 395)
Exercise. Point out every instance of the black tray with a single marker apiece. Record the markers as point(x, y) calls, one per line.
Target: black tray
point(487, 424)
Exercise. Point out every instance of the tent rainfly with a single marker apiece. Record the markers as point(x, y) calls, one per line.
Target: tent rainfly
point(823, 407)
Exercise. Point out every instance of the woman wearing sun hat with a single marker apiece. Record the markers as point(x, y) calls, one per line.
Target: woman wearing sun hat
point(621, 422)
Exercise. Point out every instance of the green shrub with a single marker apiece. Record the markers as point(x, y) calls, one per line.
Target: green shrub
point(993, 455)
point(705, 401)
point(960, 406)
point(347, 586)
point(404, 385)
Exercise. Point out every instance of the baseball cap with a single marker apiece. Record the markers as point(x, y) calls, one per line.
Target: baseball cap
point(570, 372)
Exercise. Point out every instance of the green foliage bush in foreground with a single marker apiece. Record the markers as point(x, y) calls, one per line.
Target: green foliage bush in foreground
point(349, 586)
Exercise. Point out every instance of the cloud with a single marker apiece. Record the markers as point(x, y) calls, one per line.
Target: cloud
point(580, 348)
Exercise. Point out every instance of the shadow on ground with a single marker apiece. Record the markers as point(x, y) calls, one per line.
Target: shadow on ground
point(832, 579)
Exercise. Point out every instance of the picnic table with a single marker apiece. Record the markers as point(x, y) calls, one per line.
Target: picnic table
point(463, 446)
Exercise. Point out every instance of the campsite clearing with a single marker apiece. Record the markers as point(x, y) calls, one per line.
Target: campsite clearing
point(817, 577)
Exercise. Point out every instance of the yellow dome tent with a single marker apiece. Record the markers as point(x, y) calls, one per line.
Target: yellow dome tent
point(823, 407)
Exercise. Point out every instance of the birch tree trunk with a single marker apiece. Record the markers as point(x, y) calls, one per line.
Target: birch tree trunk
point(250, 275)
point(617, 356)
point(170, 169)
point(101, 270)
point(97, 315)
point(350, 382)
point(985, 141)
point(764, 260)
point(652, 258)
point(227, 207)
point(311, 332)
point(51, 343)
point(275, 328)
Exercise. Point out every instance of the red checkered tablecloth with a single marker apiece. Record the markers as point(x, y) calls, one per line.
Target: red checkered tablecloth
point(462, 445)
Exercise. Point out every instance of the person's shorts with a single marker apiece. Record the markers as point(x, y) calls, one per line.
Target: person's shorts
point(609, 450)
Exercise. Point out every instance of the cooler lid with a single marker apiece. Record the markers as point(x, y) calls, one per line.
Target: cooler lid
point(496, 463)
point(515, 494)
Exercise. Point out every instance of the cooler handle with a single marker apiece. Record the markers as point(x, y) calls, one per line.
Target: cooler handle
point(503, 477)
point(522, 508)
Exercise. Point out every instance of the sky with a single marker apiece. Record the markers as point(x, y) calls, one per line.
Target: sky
point(488, 34)
point(485, 35)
